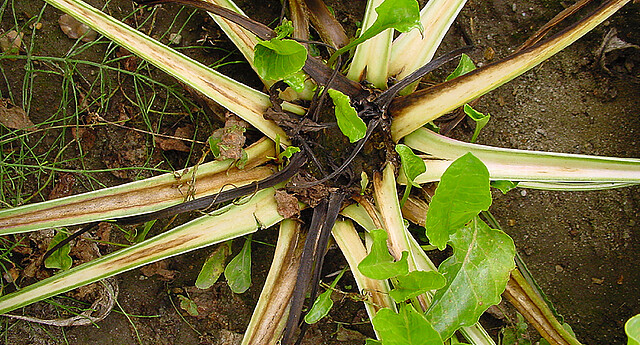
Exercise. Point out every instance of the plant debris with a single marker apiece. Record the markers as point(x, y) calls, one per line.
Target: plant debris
point(14, 117)
point(75, 29)
point(11, 42)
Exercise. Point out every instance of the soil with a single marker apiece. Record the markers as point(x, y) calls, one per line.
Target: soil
point(581, 246)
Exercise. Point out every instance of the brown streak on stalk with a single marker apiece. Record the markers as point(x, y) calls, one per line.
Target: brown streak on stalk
point(151, 251)
point(326, 24)
point(300, 19)
point(285, 283)
point(205, 184)
point(536, 311)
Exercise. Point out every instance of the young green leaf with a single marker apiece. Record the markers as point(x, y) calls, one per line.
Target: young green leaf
point(364, 182)
point(213, 266)
point(407, 327)
point(321, 307)
point(323, 304)
point(402, 15)
point(288, 152)
point(296, 81)
point(412, 165)
point(465, 66)
point(373, 342)
point(480, 119)
point(214, 145)
point(348, 121)
point(188, 305)
point(632, 328)
point(462, 193)
point(238, 271)
point(476, 274)
point(379, 264)
point(284, 30)
point(59, 259)
point(416, 283)
point(278, 59)
point(504, 185)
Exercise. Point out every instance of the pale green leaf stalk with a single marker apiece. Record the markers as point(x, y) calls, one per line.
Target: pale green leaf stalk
point(270, 316)
point(415, 110)
point(411, 50)
point(244, 40)
point(354, 252)
point(371, 58)
point(240, 99)
point(526, 166)
point(138, 197)
point(257, 211)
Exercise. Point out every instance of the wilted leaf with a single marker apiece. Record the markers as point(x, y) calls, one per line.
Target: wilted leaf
point(161, 268)
point(168, 144)
point(14, 117)
point(63, 186)
point(188, 305)
point(227, 142)
point(476, 274)
point(11, 42)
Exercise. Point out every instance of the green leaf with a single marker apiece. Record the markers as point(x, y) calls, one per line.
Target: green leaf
point(348, 121)
point(188, 305)
point(321, 307)
point(465, 66)
point(462, 193)
point(412, 165)
point(278, 59)
point(59, 259)
point(379, 264)
point(476, 274)
point(288, 152)
point(504, 185)
point(238, 271)
point(632, 328)
point(373, 342)
point(296, 81)
point(213, 266)
point(416, 283)
point(214, 145)
point(407, 327)
point(480, 119)
point(364, 182)
point(323, 304)
point(402, 15)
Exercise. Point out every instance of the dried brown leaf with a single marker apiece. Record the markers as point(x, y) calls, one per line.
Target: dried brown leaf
point(63, 187)
point(14, 117)
point(287, 204)
point(75, 29)
point(11, 42)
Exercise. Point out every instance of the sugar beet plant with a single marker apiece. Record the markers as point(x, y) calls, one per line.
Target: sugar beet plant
point(341, 125)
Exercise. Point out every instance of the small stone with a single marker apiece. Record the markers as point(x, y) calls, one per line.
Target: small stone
point(511, 222)
point(559, 269)
point(597, 281)
point(523, 192)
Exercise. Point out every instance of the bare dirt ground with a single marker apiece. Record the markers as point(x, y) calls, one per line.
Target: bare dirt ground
point(581, 246)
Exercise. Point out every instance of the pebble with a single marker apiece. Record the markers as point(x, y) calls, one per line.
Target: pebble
point(523, 192)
